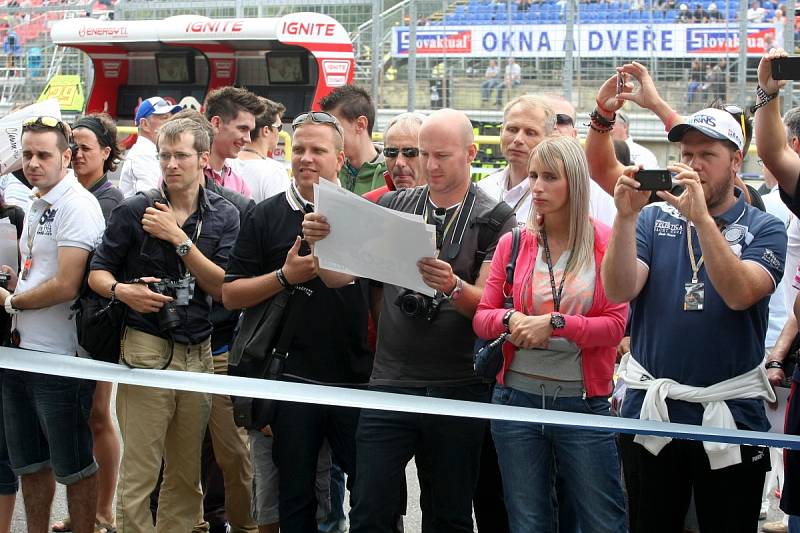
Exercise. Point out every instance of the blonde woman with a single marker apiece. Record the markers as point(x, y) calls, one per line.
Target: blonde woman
point(560, 353)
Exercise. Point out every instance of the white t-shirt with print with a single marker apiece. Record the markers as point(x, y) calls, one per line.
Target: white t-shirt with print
point(67, 216)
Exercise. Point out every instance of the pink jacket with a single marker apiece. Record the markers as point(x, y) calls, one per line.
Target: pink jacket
point(597, 333)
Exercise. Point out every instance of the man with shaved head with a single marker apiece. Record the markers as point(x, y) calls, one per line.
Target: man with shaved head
point(425, 344)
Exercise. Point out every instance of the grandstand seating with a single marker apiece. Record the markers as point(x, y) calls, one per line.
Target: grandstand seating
point(552, 12)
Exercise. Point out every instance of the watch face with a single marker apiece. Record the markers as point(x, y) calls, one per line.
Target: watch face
point(557, 321)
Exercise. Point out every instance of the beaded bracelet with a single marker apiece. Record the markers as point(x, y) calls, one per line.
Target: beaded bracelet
point(599, 123)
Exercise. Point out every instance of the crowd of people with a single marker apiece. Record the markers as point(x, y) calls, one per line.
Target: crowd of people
point(683, 288)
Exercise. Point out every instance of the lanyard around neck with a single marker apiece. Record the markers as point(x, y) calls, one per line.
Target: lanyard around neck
point(695, 264)
point(556, 293)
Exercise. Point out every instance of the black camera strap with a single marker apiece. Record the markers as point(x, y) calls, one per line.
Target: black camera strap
point(292, 318)
point(450, 250)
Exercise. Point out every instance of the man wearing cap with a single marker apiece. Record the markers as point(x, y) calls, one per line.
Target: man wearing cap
point(698, 269)
point(140, 171)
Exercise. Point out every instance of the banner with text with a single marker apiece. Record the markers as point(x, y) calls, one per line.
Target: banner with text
point(591, 40)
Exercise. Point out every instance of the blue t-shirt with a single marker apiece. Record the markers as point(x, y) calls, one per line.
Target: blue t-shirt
point(700, 348)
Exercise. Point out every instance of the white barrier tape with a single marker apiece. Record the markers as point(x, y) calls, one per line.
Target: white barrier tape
point(75, 367)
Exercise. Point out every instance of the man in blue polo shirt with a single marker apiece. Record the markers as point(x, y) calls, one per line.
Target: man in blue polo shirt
point(699, 269)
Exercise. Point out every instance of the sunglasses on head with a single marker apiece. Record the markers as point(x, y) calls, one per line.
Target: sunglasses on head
point(392, 152)
point(318, 117)
point(46, 121)
point(736, 110)
point(564, 120)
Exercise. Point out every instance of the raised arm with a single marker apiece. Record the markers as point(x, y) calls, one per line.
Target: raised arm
point(770, 132)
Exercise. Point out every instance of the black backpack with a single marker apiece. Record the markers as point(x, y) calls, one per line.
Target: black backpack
point(98, 320)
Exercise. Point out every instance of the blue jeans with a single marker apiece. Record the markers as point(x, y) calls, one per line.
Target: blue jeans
point(46, 420)
point(586, 461)
point(794, 523)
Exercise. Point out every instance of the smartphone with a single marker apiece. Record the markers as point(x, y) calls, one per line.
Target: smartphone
point(305, 249)
point(786, 68)
point(654, 180)
point(620, 82)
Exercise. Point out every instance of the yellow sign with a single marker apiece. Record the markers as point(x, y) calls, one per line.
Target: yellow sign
point(67, 89)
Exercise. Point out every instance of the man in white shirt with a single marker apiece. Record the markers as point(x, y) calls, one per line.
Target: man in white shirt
point(639, 154)
point(46, 416)
point(512, 78)
point(264, 176)
point(140, 171)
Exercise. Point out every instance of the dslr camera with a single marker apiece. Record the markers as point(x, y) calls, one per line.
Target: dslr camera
point(416, 305)
point(4, 278)
point(181, 292)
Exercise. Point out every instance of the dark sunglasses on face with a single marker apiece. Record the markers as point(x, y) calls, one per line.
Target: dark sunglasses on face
point(408, 151)
point(564, 120)
point(48, 122)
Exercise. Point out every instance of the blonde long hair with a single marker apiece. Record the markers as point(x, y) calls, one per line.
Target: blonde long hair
point(567, 151)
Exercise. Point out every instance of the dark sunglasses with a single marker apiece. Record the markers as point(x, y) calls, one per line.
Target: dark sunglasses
point(564, 120)
point(736, 110)
point(47, 122)
point(318, 117)
point(408, 151)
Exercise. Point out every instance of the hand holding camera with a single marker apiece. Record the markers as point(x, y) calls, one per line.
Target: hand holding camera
point(692, 201)
point(628, 196)
point(140, 297)
point(300, 265)
point(776, 67)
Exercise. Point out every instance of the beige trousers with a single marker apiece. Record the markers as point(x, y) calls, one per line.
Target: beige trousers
point(157, 423)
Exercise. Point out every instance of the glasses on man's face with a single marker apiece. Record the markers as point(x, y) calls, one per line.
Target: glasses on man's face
point(46, 121)
point(407, 151)
point(278, 126)
point(319, 117)
point(180, 157)
point(564, 120)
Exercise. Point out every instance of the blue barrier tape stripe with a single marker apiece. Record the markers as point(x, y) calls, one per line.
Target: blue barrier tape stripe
point(61, 365)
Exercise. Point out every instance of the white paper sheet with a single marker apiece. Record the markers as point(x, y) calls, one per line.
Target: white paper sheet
point(8, 244)
point(11, 132)
point(370, 241)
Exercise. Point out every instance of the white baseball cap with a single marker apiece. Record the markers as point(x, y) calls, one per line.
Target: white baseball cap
point(714, 123)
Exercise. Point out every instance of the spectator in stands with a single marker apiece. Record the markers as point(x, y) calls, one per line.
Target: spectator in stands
point(423, 357)
point(699, 15)
point(364, 164)
point(46, 417)
point(696, 76)
point(755, 13)
point(714, 14)
point(548, 340)
point(639, 154)
point(512, 78)
point(668, 269)
point(524, 5)
point(232, 113)
point(140, 170)
point(401, 149)
point(718, 81)
point(267, 260)
point(185, 240)
point(96, 153)
point(265, 176)
point(12, 50)
point(684, 14)
point(491, 80)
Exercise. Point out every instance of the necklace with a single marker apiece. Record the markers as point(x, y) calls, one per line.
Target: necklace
point(251, 151)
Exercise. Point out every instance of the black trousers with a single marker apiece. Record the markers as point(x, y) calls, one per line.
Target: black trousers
point(299, 430)
point(659, 488)
point(447, 452)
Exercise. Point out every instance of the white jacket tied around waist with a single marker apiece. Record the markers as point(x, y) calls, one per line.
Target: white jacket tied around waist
point(750, 385)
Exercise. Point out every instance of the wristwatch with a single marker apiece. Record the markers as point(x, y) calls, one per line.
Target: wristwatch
point(9, 305)
point(557, 321)
point(457, 290)
point(507, 319)
point(183, 247)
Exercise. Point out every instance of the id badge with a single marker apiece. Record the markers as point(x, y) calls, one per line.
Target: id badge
point(26, 268)
point(695, 294)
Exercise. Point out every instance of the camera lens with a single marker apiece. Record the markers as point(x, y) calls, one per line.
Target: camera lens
point(168, 318)
point(410, 304)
